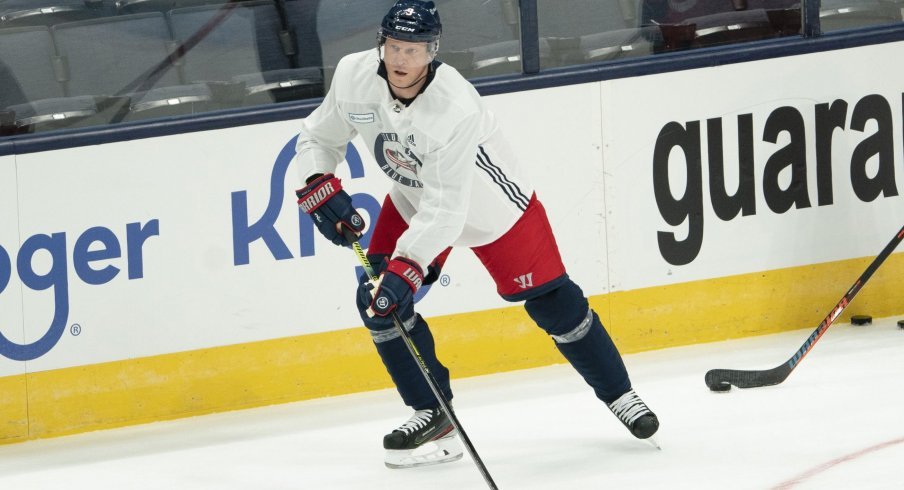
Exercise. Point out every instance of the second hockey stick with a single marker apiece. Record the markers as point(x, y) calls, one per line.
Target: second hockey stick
point(723, 379)
point(425, 370)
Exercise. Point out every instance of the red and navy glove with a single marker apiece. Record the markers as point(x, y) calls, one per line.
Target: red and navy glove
point(394, 289)
point(331, 209)
point(433, 272)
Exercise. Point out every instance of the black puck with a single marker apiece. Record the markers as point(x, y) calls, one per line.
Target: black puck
point(720, 387)
point(901, 324)
point(714, 383)
point(861, 320)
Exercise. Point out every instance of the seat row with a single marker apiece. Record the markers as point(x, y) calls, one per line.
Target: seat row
point(135, 66)
point(189, 56)
point(18, 13)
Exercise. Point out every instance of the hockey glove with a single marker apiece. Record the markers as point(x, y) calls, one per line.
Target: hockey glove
point(394, 289)
point(331, 209)
point(433, 272)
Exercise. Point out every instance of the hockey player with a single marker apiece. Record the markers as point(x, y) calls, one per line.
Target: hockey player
point(455, 183)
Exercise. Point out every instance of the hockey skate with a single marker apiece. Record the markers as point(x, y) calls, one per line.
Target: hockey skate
point(428, 437)
point(636, 416)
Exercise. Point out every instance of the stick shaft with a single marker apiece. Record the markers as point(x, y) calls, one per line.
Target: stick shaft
point(428, 376)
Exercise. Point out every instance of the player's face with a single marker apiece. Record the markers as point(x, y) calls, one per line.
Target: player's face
point(405, 62)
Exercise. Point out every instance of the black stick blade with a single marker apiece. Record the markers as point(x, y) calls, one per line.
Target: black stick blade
point(724, 379)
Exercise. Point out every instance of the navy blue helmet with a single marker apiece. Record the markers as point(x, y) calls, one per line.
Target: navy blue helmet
point(413, 21)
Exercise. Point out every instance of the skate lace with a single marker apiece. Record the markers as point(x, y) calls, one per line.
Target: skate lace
point(629, 407)
point(419, 420)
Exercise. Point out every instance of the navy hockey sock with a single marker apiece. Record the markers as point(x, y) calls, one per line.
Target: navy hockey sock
point(596, 358)
point(404, 369)
point(580, 336)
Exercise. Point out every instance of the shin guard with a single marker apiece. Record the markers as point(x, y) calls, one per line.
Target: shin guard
point(402, 367)
point(580, 336)
point(596, 358)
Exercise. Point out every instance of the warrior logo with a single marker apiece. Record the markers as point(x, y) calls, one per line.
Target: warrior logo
point(525, 280)
point(397, 160)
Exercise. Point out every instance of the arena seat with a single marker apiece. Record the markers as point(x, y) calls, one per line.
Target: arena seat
point(247, 45)
point(48, 12)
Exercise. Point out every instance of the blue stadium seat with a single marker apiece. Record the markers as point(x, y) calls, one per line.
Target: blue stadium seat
point(565, 18)
point(64, 112)
point(348, 26)
point(32, 76)
point(29, 60)
point(502, 58)
point(133, 44)
point(621, 43)
point(141, 6)
point(599, 32)
point(583, 31)
point(48, 12)
point(244, 44)
point(848, 14)
point(480, 38)
point(301, 21)
point(137, 60)
point(470, 23)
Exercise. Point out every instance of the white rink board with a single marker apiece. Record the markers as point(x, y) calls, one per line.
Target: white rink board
point(636, 109)
point(563, 150)
point(182, 283)
point(10, 289)
point(191, 294)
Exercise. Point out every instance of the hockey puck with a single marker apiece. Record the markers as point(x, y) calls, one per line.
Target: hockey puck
point(720, 387)
point(861, 320)
point(901, 324)
point(714, 383)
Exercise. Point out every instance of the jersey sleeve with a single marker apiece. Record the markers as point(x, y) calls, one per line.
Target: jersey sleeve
point(325, 133)
point(447, 175)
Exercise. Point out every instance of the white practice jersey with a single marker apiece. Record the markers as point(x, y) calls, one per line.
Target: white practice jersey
point(455, 179)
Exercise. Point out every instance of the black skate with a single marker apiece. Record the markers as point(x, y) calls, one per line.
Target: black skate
point(428, 437)
point(633, 412)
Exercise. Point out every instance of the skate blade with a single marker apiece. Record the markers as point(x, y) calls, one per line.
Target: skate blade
point(444, 450)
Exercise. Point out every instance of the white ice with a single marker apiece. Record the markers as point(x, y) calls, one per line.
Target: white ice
point(836, 422)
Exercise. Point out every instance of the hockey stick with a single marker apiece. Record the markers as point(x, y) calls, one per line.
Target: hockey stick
point(722, 379)
point(428, 376)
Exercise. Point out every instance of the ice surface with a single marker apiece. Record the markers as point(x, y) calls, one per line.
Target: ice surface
point(836, 422)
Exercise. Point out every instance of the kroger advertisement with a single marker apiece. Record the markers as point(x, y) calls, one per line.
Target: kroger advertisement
point(183, 242)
